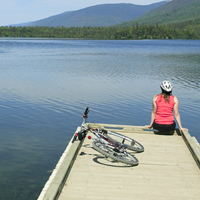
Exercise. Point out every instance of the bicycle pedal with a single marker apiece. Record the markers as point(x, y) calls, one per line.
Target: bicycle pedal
point(116, 150)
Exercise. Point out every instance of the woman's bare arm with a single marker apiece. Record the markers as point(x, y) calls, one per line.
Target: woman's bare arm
point(177, 115)
point(153, 114)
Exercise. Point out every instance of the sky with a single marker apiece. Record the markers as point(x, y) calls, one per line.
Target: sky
point(22, 11)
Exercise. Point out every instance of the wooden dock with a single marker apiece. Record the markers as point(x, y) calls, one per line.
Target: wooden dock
point(168, 170)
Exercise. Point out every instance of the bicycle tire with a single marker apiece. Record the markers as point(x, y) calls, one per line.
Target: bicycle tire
point(74, 138)
point(125, 158)
point(131, 145)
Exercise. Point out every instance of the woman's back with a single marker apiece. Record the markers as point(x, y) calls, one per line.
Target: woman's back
point(164, 114)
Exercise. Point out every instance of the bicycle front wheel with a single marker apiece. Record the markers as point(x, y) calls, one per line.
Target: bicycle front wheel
point(124, 157)
point(130, 143)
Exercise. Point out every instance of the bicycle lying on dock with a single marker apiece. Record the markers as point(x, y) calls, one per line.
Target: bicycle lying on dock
point(109, 143)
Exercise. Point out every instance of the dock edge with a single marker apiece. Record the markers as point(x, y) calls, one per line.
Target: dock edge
point(193, 146)
point(56, 181)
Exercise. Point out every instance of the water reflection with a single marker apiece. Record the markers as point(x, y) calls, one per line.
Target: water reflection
point(46, 84)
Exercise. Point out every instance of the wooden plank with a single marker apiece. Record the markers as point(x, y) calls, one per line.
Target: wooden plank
point(193, 147)
point(128, 128)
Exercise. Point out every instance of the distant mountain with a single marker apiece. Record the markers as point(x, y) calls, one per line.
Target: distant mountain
point(175, 11)
point(22, 24)
point(99, 15)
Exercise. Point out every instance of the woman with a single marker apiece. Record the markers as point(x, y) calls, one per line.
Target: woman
point(163, 106)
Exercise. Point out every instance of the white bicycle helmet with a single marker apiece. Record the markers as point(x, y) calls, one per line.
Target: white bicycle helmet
point(166, 86)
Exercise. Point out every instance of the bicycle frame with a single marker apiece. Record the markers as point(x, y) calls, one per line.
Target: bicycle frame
point(118, 147)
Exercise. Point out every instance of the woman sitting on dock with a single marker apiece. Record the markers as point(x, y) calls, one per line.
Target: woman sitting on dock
point(163, 106)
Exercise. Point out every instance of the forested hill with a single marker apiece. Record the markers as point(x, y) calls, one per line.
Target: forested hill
point(99, 15)
point(178, 19)
point(173, 12)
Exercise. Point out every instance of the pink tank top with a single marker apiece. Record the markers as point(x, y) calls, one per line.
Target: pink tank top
point(164, 113)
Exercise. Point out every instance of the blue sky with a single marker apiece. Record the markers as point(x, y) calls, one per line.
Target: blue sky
point(21, 11)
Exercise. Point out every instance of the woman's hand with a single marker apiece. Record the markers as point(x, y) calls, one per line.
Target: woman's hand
point(183, 129)
point(148, 126)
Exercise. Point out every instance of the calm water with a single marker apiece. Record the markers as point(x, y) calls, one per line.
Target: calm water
point(45, 86)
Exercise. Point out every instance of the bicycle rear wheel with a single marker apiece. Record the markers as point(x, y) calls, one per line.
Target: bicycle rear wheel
point(120, 157)
point(130, 143)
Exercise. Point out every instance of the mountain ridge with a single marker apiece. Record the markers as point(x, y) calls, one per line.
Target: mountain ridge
point(98, 15)
point(175, 11)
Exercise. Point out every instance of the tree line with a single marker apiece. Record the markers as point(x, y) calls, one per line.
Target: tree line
point(134, 32)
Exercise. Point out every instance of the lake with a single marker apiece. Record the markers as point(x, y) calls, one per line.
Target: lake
point(45, 85)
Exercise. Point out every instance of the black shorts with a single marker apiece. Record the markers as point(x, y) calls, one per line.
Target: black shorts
point(164, 127)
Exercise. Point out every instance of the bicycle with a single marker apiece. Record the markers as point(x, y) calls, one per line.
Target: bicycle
point(108, 146)
point(116, 137)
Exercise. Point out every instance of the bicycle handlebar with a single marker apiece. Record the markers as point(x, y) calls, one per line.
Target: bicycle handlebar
point(86, 112)
point(82, 133)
